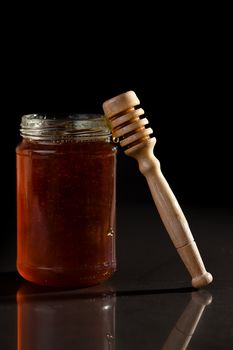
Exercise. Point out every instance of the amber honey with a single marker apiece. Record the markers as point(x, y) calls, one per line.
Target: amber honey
point(66, 204)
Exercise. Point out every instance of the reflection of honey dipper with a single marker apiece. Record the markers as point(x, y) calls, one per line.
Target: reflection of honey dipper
point(184, 329)
point(130, 129)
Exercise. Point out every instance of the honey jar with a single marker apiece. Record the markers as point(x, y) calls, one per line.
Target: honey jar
point(66, 184)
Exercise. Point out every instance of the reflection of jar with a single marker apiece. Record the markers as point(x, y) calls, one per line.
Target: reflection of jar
point(66, 200)
point(65, 320)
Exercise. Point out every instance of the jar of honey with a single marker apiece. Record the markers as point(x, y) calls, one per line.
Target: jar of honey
point(66, 177)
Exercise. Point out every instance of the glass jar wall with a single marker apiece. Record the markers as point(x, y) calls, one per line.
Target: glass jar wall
point(66, 168)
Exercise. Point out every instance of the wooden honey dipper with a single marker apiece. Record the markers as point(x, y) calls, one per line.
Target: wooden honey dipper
point(135, 138)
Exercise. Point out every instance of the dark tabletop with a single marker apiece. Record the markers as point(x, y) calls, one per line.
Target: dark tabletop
point(149, 302)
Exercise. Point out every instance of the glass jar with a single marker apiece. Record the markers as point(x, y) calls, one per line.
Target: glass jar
point(66, 171)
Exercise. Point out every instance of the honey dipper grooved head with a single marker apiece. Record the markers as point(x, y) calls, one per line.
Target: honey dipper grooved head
point(120, 103)
point(127, 123)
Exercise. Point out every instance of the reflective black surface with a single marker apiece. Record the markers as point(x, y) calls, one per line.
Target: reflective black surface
point(148, 304)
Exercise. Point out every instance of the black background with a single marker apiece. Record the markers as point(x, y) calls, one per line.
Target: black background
point(178, 60)
point(180, 69)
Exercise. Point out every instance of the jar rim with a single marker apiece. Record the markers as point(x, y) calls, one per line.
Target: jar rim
point(64, 126)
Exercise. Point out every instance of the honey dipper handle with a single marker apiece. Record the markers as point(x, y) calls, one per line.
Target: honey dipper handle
point(171, 214)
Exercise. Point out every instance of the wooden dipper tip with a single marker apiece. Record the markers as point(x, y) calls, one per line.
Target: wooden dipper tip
point(120, 103)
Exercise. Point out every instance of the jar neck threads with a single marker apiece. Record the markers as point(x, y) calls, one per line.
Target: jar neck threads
point(82, 127)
